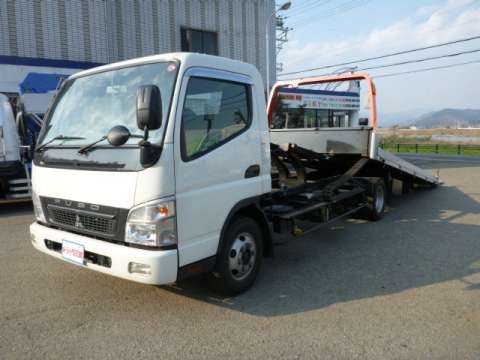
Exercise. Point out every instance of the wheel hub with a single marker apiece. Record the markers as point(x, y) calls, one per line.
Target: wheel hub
point(379, 199)
point(242, 256)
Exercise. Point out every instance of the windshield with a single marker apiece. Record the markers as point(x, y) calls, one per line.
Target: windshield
point(89, 106)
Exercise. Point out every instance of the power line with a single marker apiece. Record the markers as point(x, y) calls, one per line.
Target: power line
point(298, 10)
point(328, 10)
point(409, 61)
point(341, 8)
point(384, 56)
point(426, 69)
point(421, 60)
point(305, 18)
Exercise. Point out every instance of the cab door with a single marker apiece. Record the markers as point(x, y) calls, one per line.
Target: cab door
point(217, 157)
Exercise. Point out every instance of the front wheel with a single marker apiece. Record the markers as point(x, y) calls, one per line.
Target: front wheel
point(239, 260)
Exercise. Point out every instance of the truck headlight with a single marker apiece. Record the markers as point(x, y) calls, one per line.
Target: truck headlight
point(37, 207)
point(152, 224)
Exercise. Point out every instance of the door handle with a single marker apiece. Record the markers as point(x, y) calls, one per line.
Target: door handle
point(252, 171)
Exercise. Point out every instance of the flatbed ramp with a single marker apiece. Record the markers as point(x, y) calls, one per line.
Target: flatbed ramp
point(404, 166)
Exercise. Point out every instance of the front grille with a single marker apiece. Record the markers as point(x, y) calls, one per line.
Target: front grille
point(99, 221)
point(82, 220)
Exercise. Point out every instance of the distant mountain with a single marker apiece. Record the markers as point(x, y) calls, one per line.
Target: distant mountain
point(399, 118)
point(449, 118)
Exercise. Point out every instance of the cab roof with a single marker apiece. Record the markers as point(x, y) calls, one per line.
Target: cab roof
point(186, 60)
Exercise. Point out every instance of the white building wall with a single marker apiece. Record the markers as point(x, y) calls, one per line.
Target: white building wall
point(105, 31)
point(4, 43)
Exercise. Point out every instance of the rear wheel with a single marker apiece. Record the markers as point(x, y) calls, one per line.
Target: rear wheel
point(376, 200)
point(240, 258)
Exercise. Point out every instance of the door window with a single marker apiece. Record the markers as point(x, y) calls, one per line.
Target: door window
point(214, 112)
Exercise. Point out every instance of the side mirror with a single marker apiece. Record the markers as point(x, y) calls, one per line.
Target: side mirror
point(363, 122)
point(149, 108)
point(118, 135)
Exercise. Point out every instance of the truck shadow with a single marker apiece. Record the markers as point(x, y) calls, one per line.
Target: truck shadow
point(355, 259)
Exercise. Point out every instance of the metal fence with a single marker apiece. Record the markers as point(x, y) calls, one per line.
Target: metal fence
point(459, 149)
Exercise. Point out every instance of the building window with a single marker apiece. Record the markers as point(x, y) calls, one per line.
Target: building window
point(214, 112)
point(200, 41)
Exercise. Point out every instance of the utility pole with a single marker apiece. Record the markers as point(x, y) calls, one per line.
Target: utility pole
point(281, 37)
point(283, 7)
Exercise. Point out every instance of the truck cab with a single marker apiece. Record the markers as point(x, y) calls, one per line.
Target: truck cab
point(146, 169)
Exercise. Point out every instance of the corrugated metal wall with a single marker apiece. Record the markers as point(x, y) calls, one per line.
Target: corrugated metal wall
point(111, 30)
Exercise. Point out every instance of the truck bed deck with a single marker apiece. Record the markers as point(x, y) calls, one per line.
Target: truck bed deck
point(351, 142)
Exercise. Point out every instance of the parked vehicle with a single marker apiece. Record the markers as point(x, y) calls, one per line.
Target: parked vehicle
point(10, 165)
point(158, 168)
point(21, 117)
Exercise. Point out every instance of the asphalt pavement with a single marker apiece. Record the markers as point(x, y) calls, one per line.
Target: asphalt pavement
point(407, 287)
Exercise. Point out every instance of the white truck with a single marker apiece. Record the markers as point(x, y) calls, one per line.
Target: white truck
point(21, 116)
point(16, 132)
point(158, 168)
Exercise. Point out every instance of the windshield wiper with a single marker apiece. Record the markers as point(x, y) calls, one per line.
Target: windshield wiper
point(58, 137)
point(85, 149)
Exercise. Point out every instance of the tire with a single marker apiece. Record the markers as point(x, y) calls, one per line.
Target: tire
point(377, 198)
point(240, 258)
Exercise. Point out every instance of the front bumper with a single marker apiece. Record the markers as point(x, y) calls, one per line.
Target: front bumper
point(163, 263)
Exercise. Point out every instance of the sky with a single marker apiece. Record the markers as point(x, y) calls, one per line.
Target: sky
point(333, 31)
